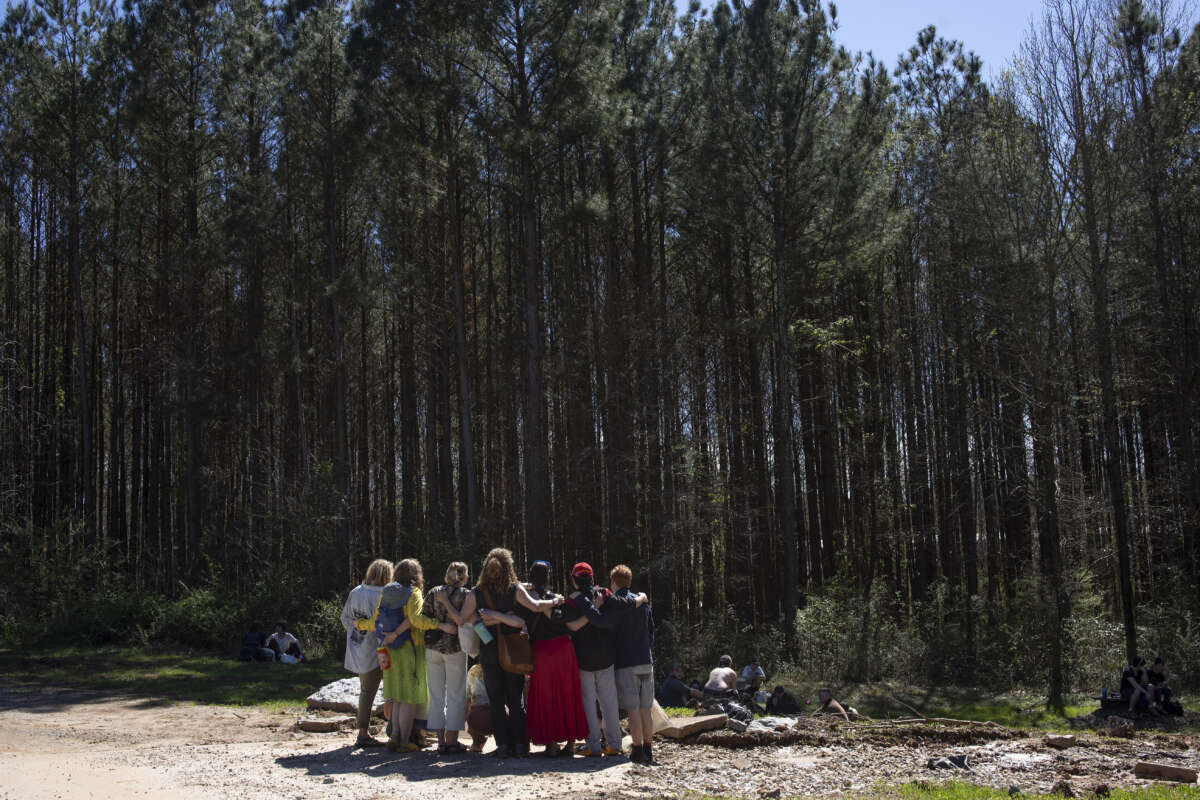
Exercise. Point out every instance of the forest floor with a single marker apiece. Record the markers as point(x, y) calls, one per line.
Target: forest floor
point(64, 738)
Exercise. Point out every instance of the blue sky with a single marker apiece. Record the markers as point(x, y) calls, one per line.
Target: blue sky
point(994, 30)
point(889, 27)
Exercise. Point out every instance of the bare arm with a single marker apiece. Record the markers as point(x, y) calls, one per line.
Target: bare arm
point(491, 617)
point(460, 617)
point(525, 599)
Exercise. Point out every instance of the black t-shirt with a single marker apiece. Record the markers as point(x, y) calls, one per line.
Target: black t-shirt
point(540, 628)
point(1156, 678)
point(505, 602)
point(1128, 675)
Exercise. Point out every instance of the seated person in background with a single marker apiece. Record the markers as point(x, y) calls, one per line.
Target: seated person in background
point(753, 675)
point(673, 691)
point(723, 679)
point(1160, 688)
point(254, 645)
point(283, 643)
point(1133, 685)
point(782, 701)
point(827, 705)
point(1156, 680)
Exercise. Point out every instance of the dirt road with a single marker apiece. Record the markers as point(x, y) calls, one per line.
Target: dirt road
point(77, 745)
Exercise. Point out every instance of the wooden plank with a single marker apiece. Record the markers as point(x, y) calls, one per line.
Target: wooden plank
point(1147, 769)
point(682, 727)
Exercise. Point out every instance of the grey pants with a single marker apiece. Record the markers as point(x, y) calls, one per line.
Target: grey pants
point(368, 685)
point(601, 686)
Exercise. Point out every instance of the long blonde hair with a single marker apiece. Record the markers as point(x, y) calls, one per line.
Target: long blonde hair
point(409, 572)
point(497, 573)
point(379, 573)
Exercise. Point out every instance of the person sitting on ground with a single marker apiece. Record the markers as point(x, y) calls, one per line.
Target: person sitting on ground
point(722, 681)
point(1133, 685)
point(254, 645)
point(827, 705)
point(782, 701)
point(673, 692)
point(753, 675)
point(479, 715)
point(283, 644)
point(1160, 688)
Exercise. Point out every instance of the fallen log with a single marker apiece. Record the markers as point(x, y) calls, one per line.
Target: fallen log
point(1148, 769)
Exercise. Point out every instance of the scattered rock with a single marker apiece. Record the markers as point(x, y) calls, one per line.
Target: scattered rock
point(323, 724)
point(341, 696)
point(1120, 727)
point(1100, 790)
point(1063, 788)
point(1060, 742)
point(1147, 769)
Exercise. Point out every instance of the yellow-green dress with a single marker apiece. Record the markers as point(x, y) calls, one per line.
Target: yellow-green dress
point(405, 680)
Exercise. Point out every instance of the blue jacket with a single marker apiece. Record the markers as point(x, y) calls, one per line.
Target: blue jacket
point(633, 630)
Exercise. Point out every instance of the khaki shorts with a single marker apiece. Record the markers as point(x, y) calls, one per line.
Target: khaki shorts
point(635, 687)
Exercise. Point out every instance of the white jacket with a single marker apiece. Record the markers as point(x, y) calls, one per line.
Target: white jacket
point(360, 647)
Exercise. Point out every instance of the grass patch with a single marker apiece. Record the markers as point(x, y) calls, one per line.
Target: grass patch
point(181, 676)
point(958, 790)
point(1013, 709)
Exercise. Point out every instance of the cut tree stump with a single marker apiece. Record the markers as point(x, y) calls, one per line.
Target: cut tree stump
point(323, 724)
point(1061, 742)
point(682, 727)
point(1147, 769)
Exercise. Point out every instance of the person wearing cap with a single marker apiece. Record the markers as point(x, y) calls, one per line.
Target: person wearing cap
point(591, 623)
point(753, 675)
point(673, 692)
point(635, 666)
point(554, 707)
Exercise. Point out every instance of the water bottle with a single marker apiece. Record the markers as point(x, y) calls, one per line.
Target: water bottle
point(485, 635)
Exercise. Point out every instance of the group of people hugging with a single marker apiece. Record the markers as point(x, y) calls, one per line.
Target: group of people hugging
point(591, 657)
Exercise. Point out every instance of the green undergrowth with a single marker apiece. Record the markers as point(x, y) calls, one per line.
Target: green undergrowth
point(174, 675)
point(1013, 709)
point(958, 790)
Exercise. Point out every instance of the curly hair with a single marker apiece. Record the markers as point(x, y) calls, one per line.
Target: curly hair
point(409, 572)
point(497, 573)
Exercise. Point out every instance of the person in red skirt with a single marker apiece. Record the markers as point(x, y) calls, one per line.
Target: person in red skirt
point(554, 709)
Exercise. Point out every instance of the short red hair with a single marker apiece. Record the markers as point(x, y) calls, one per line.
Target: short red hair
point(621, 576)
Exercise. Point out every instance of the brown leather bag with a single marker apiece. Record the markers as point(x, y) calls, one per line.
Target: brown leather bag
point(516, 654)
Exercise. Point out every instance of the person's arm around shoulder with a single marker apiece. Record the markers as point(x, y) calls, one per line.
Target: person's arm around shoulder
point(412, 612)
point(537, 606)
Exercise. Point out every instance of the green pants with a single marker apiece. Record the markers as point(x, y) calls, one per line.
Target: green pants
point(368, 685)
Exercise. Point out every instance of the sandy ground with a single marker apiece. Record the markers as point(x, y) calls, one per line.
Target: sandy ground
point(64, 744)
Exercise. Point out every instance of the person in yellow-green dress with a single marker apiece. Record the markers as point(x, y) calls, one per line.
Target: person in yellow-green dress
point(404, 681)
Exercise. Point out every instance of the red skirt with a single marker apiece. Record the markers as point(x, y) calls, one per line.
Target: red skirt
point(554, 710)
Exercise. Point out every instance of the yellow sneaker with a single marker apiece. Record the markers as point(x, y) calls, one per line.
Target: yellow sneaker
point(608, 751)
